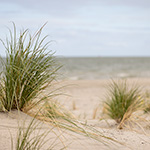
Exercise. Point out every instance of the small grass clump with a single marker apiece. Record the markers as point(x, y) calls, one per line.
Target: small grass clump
point(29, 68)
point(35, 135)
point(122, 101)
point(26, 140)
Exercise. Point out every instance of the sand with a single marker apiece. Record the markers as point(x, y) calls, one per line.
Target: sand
point(84, 98)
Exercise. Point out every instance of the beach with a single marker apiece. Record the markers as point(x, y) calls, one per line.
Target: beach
point(75, 75)
point(84, 99)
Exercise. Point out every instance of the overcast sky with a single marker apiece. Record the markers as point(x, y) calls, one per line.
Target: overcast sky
point(83, 27)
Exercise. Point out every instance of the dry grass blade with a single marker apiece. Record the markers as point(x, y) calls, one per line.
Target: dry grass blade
point(57, 116)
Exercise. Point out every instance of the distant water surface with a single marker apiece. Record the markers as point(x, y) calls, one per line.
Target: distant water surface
point(78, 68)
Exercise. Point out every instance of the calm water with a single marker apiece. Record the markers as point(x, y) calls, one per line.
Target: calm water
point(107, 67)
point(103, 67)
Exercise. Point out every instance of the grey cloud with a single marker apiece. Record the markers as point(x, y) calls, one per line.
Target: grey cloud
point(101, 43)
point(76, 32)
point(132, 3)
point(69, 7)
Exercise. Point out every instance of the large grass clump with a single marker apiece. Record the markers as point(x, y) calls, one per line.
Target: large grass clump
point(29, 68)
point(122, 101)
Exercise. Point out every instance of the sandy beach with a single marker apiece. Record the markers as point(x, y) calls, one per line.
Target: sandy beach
point(75, 75)
point(84, 98)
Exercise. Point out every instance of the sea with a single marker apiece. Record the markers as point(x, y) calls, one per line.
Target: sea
point(91, 68)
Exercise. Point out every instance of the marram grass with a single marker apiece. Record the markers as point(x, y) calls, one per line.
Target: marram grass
point(29, 68)
point(33, 135)
point(122, 101)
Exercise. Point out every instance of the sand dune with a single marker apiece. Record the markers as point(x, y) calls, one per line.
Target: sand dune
point(82, 97)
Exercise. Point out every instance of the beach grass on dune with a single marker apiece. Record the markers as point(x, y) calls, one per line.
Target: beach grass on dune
point(122, 101)
point(29, 68)
point(32, 136)
point(26, 140)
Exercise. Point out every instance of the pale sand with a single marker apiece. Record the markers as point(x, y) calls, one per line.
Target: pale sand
point(82, 98)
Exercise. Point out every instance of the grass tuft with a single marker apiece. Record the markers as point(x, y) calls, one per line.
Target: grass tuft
point(32, 136)
point(29, 68)
point(122, 101)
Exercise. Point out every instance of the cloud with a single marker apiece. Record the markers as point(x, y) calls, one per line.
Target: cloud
point(87, 27)
point(70, 8)
point(130, 3)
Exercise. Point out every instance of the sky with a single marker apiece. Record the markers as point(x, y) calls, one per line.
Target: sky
point(83, 27)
